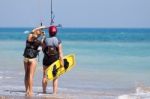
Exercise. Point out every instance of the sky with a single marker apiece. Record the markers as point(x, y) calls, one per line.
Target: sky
point(76, 13)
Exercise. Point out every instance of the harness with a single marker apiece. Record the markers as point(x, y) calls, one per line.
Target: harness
point(51, 51)
point(51, 48)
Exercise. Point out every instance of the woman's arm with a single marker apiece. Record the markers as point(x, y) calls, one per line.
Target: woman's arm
point(29, 37)
point(38, 28)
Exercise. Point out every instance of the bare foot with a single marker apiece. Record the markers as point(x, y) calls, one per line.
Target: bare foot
point(26, 94)
point(54, 93)
point(30, 94)
point(44, 92)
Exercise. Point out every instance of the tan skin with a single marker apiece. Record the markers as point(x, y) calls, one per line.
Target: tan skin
point(29, 74)
point(30, 66)
point(55, 81)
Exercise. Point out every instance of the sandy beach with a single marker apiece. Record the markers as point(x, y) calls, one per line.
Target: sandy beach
point(26, 97)
point(62, 96)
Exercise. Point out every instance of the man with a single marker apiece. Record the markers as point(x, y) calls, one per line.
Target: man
point(52, 49)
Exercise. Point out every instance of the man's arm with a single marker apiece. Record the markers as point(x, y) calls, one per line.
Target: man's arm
point(60, 54)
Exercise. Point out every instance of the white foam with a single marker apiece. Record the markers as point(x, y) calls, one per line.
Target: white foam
point(141, 93)
point(1, 77)
point(124, 97)
point(8, 77)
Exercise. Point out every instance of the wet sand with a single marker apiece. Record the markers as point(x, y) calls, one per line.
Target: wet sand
point(32, 97)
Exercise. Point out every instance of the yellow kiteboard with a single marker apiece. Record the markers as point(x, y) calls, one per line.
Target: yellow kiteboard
point(55, 70)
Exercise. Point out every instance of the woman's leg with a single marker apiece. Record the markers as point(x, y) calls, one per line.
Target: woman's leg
point(26, 78)
point(55, 86)
point(44, 80)
point(32, 68)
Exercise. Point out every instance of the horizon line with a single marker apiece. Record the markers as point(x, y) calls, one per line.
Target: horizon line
point(90, 27)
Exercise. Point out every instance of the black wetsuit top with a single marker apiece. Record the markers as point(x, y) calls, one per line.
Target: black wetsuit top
point(31, 50)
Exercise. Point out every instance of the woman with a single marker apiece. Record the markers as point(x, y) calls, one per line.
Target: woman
point(30, 54)
point(52, 49)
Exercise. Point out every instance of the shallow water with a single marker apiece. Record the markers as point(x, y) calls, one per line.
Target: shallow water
point(104, 69)
point(102, 72)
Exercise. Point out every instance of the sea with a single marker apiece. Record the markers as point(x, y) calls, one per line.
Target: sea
point(109, 62)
